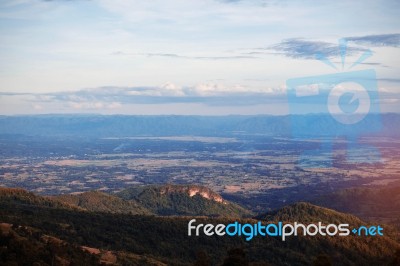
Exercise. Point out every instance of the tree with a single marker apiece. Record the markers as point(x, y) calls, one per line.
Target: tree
point(202, 259)
point(322, 260)
point(236, 257)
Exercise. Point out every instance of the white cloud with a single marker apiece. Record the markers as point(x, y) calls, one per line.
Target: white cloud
point(217, 89)
point(94, 105)
point(37, 107)
point(170, 89)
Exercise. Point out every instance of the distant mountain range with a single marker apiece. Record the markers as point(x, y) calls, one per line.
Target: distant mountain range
point(128, 126)
point(96, 229)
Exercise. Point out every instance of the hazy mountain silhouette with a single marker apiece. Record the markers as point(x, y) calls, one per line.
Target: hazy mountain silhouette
point(128, 126)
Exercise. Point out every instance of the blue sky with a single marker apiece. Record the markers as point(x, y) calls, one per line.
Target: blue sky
point(206, 57)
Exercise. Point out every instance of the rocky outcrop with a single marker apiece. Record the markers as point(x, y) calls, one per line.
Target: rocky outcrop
point(192, 190)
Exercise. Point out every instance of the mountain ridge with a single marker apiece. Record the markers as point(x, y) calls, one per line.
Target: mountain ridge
point(102, 202)
point(165, 238)
point(379, 203)
point(174, 125)
point(182, 200)
point(164, 200)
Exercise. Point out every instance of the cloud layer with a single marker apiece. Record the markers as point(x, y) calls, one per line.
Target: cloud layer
point(114, 97)
point(308, 49)
point(387, 40)
point(51, 49)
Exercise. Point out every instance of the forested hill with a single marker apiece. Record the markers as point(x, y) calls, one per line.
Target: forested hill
point(191, 200)
point(36, 232)
point(163, 200)
point(372, 204)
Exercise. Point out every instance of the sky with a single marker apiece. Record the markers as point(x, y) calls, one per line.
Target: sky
point(190, 57)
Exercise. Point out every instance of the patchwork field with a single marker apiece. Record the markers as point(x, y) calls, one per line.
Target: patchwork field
point(244, 166)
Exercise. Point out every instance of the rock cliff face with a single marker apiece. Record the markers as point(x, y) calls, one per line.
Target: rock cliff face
point(192, 190)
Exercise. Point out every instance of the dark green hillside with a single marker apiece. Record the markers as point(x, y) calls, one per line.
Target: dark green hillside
point(21, 245)
point(165, 239)
point(183, 200)
point(22, 197)
point(372, 204)
point(308, 213)
point(101, 202)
